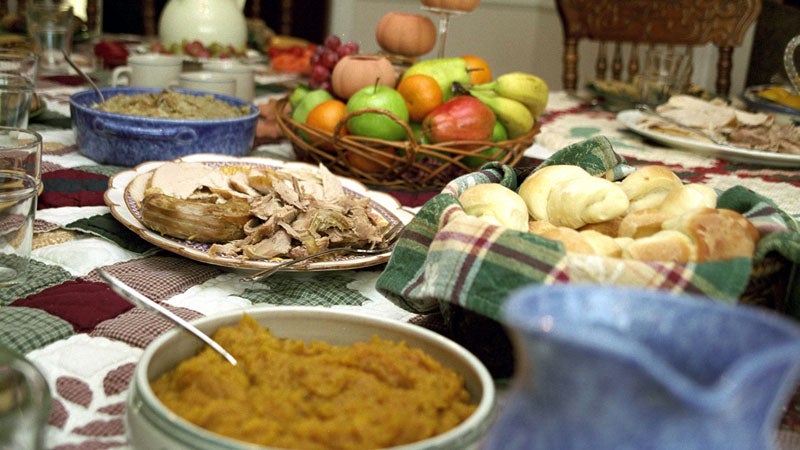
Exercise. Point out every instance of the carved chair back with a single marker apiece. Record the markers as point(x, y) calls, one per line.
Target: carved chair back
point(622, 24)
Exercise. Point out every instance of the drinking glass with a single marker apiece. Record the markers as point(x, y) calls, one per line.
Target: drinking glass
point(50, 25)
point(20, 62)
point(16, 93)
point(665, 73)
point(25, 402)
point(20, 178)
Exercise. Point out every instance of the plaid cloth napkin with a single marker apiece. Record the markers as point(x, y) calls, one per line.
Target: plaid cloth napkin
point(446, 256)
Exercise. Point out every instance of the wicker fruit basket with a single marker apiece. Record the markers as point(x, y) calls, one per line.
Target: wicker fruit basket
point(403, 165)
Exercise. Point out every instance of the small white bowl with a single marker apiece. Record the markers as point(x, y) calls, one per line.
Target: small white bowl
point(151, 425)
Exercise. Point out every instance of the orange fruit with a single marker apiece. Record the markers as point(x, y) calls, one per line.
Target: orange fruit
point(421, 93)
point(371, 164)
point(479, 70)
point(325, 117)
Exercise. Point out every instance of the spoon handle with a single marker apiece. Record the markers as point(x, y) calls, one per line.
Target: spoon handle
point(141, 301)
point(83, 74)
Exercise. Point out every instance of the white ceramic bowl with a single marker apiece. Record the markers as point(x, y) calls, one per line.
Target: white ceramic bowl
point(150, 425)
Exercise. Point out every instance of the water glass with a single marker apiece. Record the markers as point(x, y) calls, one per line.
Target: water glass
point(20, 178)
point(665, 73)
point(20, 62)
point(25, 402)
point(16, 93)
point(50, 25)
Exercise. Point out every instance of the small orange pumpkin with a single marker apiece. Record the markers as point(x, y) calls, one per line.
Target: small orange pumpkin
point(453, 5)
point(353, 72)
point(406, 34)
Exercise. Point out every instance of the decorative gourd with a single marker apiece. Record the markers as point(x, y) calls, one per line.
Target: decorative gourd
point(353, 72)
point(453, 5)
point(406, 34)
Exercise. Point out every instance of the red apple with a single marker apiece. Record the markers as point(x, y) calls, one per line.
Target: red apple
point(462, 118)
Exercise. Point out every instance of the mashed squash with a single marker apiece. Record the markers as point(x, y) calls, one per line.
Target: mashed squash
point(289, 394)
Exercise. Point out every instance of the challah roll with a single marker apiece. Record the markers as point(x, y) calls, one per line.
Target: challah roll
point(647, 186)
point(575, 202)
point(495, 204)
point(536, 188)
point(718, 234)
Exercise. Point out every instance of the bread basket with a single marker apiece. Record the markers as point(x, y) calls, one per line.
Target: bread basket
point(403, 165)
point(486, 269)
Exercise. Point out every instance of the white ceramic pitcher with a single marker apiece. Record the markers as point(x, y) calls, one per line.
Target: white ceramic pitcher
point(789, 65)
point(209, 21)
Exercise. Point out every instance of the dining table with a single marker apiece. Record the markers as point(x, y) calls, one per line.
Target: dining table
point(86, 339)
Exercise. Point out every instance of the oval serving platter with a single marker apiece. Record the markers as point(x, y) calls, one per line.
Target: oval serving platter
point(126, 211)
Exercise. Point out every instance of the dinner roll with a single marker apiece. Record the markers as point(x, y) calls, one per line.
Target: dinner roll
point(687, 197)
point(641, 223)
point(539, 226)
point(607, 227)
point(602, 244)
point(495, 204)
point(718, 234)
point(664, 246)
point(575, 202)
point(536, 188)
point(647, 186)
point(573, 241)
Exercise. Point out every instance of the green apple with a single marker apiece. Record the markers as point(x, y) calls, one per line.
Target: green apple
point(374, 124)
point(499, 133)
point(297, 94)
point(308, 102)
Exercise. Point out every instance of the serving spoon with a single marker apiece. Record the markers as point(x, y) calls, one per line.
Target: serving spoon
point(83, 74)
point(141, 301)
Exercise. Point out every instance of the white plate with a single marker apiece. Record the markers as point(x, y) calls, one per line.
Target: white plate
point(124, 209)
point(631, 118)
point(250, 57)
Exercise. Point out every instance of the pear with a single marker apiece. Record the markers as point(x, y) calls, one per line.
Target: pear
point(445, 71)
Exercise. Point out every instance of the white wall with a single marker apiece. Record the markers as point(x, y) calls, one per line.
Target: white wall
point(511, 35)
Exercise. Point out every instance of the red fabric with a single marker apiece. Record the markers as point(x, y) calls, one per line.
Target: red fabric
point(70, 187)
point(82, 303)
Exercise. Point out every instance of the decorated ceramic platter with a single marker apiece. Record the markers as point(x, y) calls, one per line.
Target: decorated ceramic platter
point(631, 118)
point(126, 210)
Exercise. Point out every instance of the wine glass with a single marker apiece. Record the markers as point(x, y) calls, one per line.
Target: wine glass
point(444, 23)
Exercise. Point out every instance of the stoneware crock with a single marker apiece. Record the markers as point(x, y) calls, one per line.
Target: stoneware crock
point(622, 368)
point(127, 140)
point(150, 425)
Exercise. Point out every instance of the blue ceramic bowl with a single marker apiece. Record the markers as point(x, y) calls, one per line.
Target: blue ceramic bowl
point(126, 140)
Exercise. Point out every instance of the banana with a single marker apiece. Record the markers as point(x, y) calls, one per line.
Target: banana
point(513, 115)
point(286, 41)
point(525, 88)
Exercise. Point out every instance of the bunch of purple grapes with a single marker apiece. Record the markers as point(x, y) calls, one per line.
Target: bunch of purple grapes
point(324, 59)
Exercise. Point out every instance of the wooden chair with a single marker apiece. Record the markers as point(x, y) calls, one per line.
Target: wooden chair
point(637, 23)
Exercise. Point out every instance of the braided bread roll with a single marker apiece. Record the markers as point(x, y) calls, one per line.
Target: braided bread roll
point(576, 202)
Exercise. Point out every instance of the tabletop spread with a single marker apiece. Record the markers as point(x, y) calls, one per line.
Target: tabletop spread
point(87, 340)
